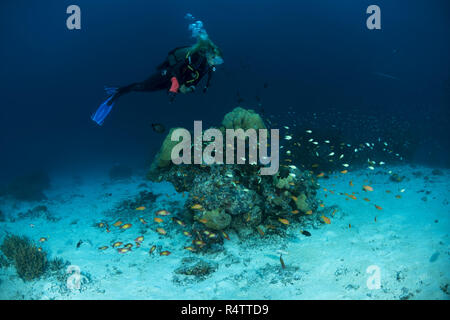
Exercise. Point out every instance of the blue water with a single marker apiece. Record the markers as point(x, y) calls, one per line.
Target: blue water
point(302, 64)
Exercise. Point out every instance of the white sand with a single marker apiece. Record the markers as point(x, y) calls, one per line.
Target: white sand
point(331, 264)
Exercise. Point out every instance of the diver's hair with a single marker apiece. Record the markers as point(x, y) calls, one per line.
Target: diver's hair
point(206, 45)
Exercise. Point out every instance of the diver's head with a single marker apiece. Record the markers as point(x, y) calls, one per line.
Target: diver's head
point(214, 57)
point(212, 52)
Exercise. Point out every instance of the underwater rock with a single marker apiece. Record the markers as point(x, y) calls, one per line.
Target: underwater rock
point(120, 172)
point(301, 203)
point(163, 157)
point(193, 266)
point(216, 219)
point(437, 172)
point(29, 187)
point(237, 197)
point(241, 118)
point(396, 178)
point(38, 212)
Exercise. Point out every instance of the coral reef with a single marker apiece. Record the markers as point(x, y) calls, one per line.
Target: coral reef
point(163, 157)
point(30, 262)
point(29, 187)
point(241, 118)
point(237, 196)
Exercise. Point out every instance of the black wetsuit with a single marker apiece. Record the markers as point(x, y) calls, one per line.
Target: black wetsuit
point(188, 69)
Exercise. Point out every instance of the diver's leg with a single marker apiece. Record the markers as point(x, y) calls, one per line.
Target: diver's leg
point(154, 83)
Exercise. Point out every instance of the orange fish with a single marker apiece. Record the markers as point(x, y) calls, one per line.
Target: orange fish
point(139, 239)
point(187, 234)
point(103, 248)
point(309, 212)
point(158, 220)
point(351, 183)
point(128, 245)
point(326, 220)
point(140, 208)
point(153, 248)
point(161, 231)
point(351, 196)
point(295, 211)
point(117, 223)
point(164, 253)
point(344, 171)
point(162, 213)
point(378, 207)
point(322, 205)
point(123, 250)
point(366, 199)
point(42, 239)
point(203, 220)
point(142, 221)
point(189, 248)
point(388, 191)
point(367, 188)
point(225, 235)
point(126, 226)
point(283, 221)
point(320, 175)
point(294, 198)
point(398, 196)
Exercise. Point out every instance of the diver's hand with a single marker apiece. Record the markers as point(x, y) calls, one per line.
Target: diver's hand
point(172, 96)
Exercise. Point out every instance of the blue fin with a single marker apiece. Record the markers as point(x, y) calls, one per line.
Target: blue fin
point(103, 111)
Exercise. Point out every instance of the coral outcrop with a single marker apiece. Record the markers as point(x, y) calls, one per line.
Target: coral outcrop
point(223, 196)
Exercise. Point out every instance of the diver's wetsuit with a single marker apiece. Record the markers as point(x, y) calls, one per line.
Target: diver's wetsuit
point(186, 68)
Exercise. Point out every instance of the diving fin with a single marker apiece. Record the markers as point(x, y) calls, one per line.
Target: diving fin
point(105, 108)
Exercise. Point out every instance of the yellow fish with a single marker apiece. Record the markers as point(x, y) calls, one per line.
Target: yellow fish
point(161, 231)
point(326, 220)
point(283, 221)
point(126, 226)
point(162, 213)
point(197, 207)
point(158, 220)
point(140, 208)
point(117, 244)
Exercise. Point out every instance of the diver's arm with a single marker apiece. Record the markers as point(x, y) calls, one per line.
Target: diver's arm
point(173, 88)
point(208, 80)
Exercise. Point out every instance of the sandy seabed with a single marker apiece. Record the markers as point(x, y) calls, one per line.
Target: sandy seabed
point(406, 244)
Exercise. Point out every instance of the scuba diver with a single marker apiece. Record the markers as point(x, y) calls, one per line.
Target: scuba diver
point(181, 72)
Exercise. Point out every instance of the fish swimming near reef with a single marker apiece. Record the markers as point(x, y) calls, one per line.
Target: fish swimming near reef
point(162, 212)
point(126, 226)
point(161, 231)
point(142, 208)
point(305, 233)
